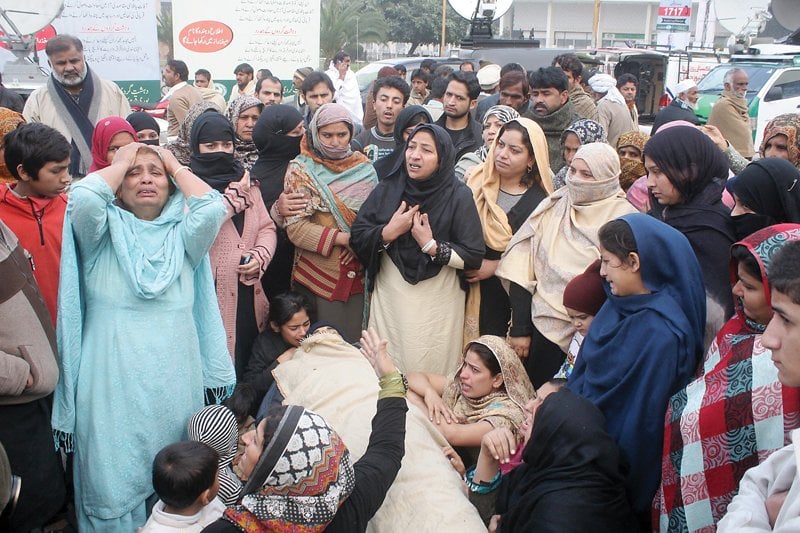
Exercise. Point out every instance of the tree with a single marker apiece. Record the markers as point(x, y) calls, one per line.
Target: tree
point(420, 22)
point(344, 22)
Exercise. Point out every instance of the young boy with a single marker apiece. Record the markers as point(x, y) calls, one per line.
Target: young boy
point(33, 207)
point(583, 297)
point(185, 479)
point(769, 494)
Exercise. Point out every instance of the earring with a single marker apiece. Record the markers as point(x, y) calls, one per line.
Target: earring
point(530, 169)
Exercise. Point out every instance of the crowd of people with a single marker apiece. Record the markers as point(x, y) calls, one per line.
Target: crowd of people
point(581, 313)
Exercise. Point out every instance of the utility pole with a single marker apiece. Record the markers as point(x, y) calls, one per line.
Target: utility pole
point(444, 26)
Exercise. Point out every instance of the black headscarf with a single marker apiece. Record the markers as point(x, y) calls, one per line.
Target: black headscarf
point(217, 169)
point(390, 163)
point(689, 158)
point(570, 460)
point(698, 170)
point(447, 202)
point(144, 121)
point(771, 188)
point(275, 148)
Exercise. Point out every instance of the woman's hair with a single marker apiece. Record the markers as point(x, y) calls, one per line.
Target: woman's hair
point(744, 257)
point(416, 120)
point(240, 402)
point(284, 306)
point(616, 236)
point(486, 355)
point(273, 418)
point(532, 177)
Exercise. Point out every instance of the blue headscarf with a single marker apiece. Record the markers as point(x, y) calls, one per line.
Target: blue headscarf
point(641, 349)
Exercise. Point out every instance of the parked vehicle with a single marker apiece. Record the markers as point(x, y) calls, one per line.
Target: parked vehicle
point(774, 89)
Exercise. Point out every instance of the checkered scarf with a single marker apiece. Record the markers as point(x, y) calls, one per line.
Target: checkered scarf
point(302, 477)
point(730, 418)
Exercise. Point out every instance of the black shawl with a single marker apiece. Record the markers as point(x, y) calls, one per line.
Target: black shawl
point(771, 188)
point(698, 170)
point(389, 164)
point(275, 148)
point(571, 478)
point(447, 202)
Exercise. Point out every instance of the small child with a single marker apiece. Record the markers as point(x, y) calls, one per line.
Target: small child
point(185, 479)
point(583, 297)
point(216, 426)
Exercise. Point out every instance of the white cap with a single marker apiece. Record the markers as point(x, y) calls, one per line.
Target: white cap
point(602, 83)
point(683, 86)
point(489, 77)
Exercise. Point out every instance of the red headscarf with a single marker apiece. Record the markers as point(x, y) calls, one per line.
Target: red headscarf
point(104, 131)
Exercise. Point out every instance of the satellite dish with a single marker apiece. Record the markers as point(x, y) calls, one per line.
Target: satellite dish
point(740, 19)
point(786, 13)
point(26, 17)
point(466, 8)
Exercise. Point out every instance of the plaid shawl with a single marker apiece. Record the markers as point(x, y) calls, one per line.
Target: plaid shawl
point(730, 418)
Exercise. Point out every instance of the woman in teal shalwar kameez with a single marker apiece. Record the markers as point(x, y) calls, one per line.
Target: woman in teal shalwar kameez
point(139, 331)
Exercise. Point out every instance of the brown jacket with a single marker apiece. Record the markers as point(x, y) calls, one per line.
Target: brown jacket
point(27, 338)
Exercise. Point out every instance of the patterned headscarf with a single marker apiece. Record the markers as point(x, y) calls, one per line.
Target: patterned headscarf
point(245, 152)
point(587, 131)
point(786, 124)
point(504, 114)
point(180, 147)
point(502, 408)
point(302, 478)
point(9, 120)
point(631, 169)
point(216, 426)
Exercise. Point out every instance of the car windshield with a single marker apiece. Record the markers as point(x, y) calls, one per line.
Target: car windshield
point(368, 73)
point(758, 74)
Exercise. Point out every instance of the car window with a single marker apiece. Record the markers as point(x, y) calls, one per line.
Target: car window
point(758, 74)
point(789, 82)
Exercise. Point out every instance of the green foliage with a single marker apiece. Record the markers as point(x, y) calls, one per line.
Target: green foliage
point(339, 20)
point(164, 28)
point(420, 22)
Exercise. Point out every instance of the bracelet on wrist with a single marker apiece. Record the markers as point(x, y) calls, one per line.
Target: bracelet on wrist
point(483, 487)
point(428, 245)
point(182, 167)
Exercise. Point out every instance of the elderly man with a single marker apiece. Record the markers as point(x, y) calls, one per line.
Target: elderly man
point(730, 113)
point(681, 108)
point(74, 100)
point(612, 109)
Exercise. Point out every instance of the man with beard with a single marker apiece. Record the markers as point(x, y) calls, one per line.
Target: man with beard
point(730, 112)
point(551, 109)
point(245, 85)
point(582, 103)
point(681, 108)
point(74, 100)
point(461, 97)
point(390, 95)
point(269, 90)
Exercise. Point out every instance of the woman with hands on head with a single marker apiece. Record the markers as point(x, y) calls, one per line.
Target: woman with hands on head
point(246, 241)
point(416, 233)
point(137, 317)
point(325, 490)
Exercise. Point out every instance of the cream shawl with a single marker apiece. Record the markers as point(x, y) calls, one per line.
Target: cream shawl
point(559, 239)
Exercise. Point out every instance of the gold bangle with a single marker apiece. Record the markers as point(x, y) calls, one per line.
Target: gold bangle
point(182, 167)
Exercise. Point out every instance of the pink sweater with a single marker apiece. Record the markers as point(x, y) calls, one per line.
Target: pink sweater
point(258, 240)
